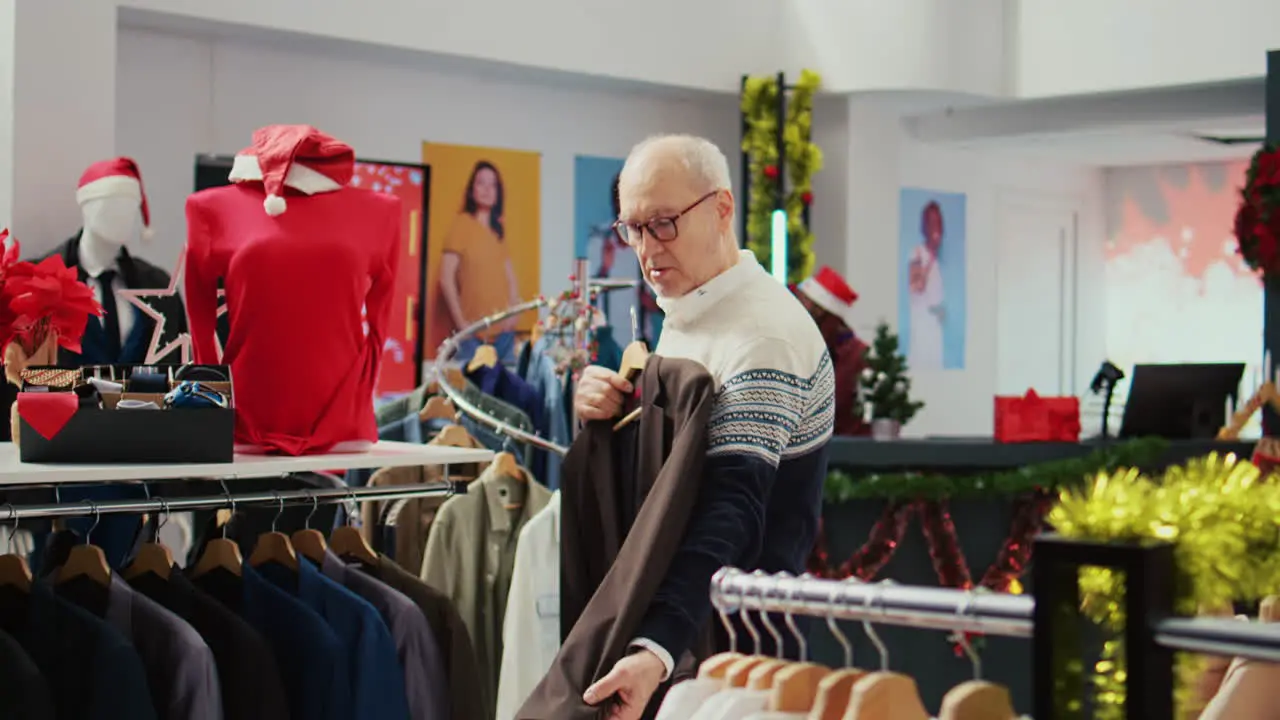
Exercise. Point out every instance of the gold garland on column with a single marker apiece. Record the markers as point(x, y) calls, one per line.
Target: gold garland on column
point(802, 160)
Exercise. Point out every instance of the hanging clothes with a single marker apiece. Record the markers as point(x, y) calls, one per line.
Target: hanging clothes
point(466, 699)
point(531, 626)
point(608, 352)
point(92, 670)
point(470, 557)
point(424, 674)
point(24, 694)
point(611, 569)
point(377, 682)
point(252, 688)
point(544, 381)
point(412, 523)
point(312, 661)
point(501, 383)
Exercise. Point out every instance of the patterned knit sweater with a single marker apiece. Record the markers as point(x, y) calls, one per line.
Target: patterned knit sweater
point(766, 459)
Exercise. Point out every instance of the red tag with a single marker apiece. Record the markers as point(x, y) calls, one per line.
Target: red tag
point(47, 412)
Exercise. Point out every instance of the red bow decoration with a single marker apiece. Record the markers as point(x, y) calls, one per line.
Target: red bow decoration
point(46, 298)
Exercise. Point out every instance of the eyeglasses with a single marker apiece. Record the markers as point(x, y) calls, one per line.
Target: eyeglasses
point(662, 229)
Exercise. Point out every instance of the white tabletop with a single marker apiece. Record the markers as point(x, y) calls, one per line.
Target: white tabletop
point(382, 454)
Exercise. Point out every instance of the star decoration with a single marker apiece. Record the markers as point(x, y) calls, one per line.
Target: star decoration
point(165, 307)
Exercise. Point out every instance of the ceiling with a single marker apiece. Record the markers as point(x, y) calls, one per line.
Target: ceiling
point(1131, 146)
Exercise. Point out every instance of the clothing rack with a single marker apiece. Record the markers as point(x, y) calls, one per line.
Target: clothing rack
point(276, 498)
point(587, 287)
point(1050, 619)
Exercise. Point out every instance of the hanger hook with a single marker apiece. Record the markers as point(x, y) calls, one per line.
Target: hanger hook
point(355, 507)
point(279, 509)
point(962, 638)
point(837, 589)
point(162, 520)
point(791, 620)
point(776, 581)
point(718, 602)
point(315, 505)
point(13, 529)
point(97, 517)
point(746, 617)
point(871, 631)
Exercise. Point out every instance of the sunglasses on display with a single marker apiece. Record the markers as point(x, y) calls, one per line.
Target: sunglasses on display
point(662, 229)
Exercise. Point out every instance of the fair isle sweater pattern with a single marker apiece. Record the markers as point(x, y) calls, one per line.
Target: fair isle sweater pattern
point(772, 414)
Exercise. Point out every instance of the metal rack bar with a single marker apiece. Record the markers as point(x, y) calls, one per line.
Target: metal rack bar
point(450, 347)
point(326, 496)
point(1232, 638)
point(885, 602)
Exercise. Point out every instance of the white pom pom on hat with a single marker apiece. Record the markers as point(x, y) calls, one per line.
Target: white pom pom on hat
point(274, 205)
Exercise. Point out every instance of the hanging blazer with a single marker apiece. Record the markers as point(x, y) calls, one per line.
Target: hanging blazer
point(609, 571)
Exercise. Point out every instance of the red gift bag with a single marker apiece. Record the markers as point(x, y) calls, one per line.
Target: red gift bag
point(1032, 418)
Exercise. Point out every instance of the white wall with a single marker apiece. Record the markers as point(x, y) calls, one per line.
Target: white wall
point(881, 158)
point(178, 96)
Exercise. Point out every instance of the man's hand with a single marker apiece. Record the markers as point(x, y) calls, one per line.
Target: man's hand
point(600, 393)
point(631, 683)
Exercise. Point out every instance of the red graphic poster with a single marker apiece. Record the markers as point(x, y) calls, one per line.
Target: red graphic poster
point(402, 352)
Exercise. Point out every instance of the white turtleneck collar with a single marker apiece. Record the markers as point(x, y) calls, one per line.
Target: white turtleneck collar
point(689, 307)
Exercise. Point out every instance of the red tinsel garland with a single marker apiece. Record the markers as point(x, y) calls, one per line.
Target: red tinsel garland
point(1257, 221)
point(875, 553)
point(944, 545)
point(1015, 553)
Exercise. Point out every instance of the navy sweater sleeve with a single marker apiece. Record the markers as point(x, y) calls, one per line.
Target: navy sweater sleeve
point(757, 411)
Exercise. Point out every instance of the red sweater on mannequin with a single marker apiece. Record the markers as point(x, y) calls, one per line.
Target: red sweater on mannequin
point(308, 291)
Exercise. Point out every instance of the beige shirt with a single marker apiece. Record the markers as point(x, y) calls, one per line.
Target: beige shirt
point(470, 557)
point(412, 518)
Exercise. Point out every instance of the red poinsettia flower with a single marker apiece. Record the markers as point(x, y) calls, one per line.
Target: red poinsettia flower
point(49, 297)
point(771, 171)
point(806, 198)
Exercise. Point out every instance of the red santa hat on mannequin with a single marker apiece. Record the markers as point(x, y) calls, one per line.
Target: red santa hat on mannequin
point(117, 177)
point(829, 291)
point(295, 156)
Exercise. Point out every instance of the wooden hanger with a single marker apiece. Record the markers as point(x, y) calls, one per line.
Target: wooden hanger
point(832, 696)
point(505, 464)
point(885, 696)
point(438, 408)
point(715, 666)
point(14, 571)
point(349, 543)
point(536, 334)
point(977, 700)
point(86, 559)
point(153, 557)
point(795, 687)
point(274, 547)
point(310, 543)
point(221, 552)
point(762, 675)
point(738, 673)
point(485, 356)
point(634, 358)
point(454, 436)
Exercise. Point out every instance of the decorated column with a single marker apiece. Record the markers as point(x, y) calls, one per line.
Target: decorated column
point(1271, 283)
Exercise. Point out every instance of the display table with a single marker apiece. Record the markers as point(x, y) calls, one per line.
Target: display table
point(13, 472)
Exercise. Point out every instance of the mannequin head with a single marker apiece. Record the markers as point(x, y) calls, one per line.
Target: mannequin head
point(114, 220)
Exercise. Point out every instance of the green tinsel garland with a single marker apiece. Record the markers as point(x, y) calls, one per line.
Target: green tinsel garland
point(842, 486)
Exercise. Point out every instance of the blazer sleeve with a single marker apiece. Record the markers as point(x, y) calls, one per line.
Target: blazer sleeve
point(201, 285)
point(757, 409)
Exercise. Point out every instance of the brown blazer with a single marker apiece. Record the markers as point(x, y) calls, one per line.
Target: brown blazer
point(609, 572)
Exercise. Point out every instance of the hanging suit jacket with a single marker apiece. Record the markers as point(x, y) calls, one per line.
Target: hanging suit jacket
point(610, 568)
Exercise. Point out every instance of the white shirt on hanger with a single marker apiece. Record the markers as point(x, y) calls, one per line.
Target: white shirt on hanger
point(733, 704)
point(531, 627)
point(684, 699)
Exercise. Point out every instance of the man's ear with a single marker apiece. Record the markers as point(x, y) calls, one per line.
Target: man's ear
point(725, 203)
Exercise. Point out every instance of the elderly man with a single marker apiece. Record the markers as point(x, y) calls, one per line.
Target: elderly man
point(766, 457)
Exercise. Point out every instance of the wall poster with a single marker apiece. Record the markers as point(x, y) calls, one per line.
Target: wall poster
point(931, 279)
point(483, 241)
point(594, 180)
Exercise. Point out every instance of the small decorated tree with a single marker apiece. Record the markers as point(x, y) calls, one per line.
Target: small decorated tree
point(885, 388)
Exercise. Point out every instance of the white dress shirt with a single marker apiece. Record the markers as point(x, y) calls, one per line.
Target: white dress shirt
point(684, 699)
point(733, 704)
point(531, 628)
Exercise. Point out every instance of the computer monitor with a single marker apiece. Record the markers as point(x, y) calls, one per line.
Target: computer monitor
point(1179, 401)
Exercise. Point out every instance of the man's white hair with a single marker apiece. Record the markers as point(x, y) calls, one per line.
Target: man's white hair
point(705, 162)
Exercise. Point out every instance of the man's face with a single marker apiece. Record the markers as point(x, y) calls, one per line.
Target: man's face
point(662, 188)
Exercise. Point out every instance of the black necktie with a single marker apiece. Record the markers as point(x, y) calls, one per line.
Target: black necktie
point(110, 318)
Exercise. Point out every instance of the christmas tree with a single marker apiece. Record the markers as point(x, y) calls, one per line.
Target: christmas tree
point(885, 388)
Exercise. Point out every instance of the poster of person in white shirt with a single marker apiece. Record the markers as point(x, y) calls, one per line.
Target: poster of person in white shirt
point(931, 279)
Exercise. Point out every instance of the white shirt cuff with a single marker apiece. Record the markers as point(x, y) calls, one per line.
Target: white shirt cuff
point(658, 650)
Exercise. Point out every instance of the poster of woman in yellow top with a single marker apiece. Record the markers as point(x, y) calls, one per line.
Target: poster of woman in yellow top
point(483, 242)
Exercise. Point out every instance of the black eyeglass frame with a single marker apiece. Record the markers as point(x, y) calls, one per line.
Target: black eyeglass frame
point(622, 229)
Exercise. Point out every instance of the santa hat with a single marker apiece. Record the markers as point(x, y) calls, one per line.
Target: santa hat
point(296, 156)
point(829, 291)
point(117, 177)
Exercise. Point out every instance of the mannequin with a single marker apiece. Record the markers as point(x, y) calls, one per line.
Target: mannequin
point(305, 261)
